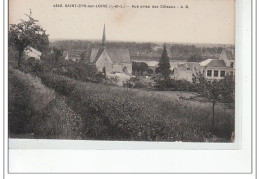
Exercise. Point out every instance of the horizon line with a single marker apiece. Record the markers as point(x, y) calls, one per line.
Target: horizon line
point(56, 39)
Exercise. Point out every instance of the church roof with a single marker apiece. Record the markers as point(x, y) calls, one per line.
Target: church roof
point(100, 51)
point(117, 55)
point(94, 52)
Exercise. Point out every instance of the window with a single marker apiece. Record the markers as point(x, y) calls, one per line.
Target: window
point(222, 73)
point(231, 73)
point(209, 72)
point(215, 73)
point(231, 65)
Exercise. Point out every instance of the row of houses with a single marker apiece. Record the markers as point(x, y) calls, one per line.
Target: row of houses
point(211, 68)
point(118, 60)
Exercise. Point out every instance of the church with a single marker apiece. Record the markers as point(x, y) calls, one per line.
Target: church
point(111, 60)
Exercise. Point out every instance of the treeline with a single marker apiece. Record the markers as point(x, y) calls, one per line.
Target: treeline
point(178, 51)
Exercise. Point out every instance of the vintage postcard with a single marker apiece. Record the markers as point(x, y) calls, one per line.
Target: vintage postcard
point(110, 70)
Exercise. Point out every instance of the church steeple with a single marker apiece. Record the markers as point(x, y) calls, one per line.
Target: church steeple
point(104, 37)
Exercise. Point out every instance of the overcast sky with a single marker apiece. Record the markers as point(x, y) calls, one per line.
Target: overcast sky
point(205, 21)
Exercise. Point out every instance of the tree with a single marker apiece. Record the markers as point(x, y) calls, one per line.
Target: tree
point(140, 68)
point(27, 33)
point(195, 58)
point(84, 56)
point(210, 90)
point(164, 64)
point(227, 86)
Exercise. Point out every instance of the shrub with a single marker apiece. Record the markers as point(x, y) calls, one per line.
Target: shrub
point(32, 66)
point(139, 82)
point(33, 108)
point(58, 121)
point(26, 97)
point(60, 84)
point(174, 85)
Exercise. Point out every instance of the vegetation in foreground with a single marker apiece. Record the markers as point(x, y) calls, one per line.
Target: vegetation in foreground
point(80, 110)
point(37, 110)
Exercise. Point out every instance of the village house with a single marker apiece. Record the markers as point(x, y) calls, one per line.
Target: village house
point(32, 53)
point(111, 60)
point(216, 69)
point(184, 70)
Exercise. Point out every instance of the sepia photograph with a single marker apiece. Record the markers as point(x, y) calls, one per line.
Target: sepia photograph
point(110, 70)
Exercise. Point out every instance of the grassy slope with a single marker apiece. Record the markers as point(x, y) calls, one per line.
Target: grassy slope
point(97, 111)
point(117, 113)
point(38, 112)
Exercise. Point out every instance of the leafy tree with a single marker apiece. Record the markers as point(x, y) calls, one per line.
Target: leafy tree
point(140, 68)
point(27, 33)
point(195, 58)
point(84, 56)
point(164, 64)
point(211, 90)
point(227, 86)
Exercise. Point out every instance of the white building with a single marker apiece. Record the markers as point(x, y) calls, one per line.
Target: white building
point(32, 53)
point(216, 69)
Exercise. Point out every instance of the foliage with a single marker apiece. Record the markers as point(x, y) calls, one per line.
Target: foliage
point(139, 82)
point(54, 58)
point(25, 34)
point(174, 85)
point(164, 64)
point(83, 72)
point(60, 84)
point(55, 63)
point(195, 58)
point(32, 66)
point(227, 86)
point(139, 68)
point(84, 111)
point(210, 89)
point(140, 115)
point(112, 80)
point(33, 108)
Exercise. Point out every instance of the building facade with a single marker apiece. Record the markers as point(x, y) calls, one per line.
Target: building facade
point(216, 69)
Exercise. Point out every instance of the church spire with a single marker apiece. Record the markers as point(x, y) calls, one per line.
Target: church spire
point(104, 37)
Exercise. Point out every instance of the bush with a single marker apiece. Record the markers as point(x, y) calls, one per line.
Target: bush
point(60, 84)
point(33, 108)
point(26, 98)
point(32, 66)
point(174, 85)
point(58, 121)
point(139, 82)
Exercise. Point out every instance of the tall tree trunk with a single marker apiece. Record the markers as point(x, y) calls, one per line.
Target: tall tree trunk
point(213, 116)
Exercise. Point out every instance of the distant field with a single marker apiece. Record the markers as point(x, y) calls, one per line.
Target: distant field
point(80, 110)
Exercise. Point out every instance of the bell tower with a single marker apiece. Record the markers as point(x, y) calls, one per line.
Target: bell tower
point(104, 37)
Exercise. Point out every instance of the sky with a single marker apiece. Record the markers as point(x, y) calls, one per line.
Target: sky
point(205, 21)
